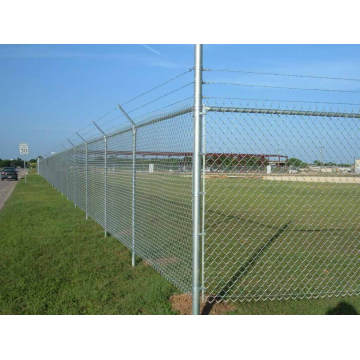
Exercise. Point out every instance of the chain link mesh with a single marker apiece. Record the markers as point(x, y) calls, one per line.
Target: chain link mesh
point(277, 226)
point(280, 216)
point(164, 197)
point(162, 217)
point(119, 187)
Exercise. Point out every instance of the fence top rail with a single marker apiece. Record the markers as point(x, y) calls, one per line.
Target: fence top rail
point(145, 123)
point(165, 117)
point(130, 128)
point(282, 112)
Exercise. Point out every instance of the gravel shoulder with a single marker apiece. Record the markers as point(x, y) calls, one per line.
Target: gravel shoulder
point(6, 188)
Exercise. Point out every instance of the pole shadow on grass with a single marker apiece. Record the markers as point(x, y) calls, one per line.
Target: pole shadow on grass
point(244, 269)
point(342, 308)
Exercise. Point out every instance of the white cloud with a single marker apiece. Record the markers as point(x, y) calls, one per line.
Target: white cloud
point(32, 52)
point(148, 47)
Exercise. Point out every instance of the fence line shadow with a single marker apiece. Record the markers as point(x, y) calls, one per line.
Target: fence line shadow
point(244, 269)
point(342, 308)
point(230, 217)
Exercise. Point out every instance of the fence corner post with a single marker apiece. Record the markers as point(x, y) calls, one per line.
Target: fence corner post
point(196, 181)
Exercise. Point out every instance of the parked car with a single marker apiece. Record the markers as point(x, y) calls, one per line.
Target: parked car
point(9, 173)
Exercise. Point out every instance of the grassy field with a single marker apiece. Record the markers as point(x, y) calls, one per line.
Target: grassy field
point(271, 239)
point(53, 261)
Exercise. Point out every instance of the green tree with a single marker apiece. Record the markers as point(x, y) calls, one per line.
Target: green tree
point(296, 162)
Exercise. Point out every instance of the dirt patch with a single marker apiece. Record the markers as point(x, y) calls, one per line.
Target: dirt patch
point(183, 304)
point(6, 188)
point(232, 176)
point(215, 176)
point(321, 179)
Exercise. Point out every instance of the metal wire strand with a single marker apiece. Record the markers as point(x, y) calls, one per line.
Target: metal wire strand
point(160, 97)
point(161, 109)
point(280, 100)
point(157, 86)
point(276, 87)
point(285, 75)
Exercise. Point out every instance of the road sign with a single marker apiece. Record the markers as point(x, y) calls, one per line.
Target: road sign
point(24, 149)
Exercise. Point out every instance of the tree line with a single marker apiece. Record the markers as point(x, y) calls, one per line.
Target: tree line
point(17, 163)
point(301, 164)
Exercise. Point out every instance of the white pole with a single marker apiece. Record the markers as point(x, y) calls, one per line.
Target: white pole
point(133, 126)
point(196, 182)
point(25, 169)
point(105, 185)
point(86, 180)
point(203, 130)
point(133, 195)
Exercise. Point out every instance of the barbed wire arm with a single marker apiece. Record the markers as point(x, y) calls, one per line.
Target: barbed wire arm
point(132, 122)
point(70, 142)
point(100, 129)
point(81, 137)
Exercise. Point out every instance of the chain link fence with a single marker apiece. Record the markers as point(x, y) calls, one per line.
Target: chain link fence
point(278, 201)
point(269, 231)
point(273, 231)
point(143, 197)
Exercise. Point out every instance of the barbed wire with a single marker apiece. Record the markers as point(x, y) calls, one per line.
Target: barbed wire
point(160, 97)
point(164, 107)
point(89, 127)
point(157, 86)
point(88, 132)
point(283, 74)
point(276, 87)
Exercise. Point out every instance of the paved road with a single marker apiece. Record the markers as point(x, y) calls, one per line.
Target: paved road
point(6, 188)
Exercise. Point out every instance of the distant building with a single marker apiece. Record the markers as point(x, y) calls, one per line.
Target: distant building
point(357, 166)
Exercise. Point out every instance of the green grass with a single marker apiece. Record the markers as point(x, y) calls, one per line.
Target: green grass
point(266, 239)
point(53, 261)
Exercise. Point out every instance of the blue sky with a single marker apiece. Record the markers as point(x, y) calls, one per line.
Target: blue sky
point(48, 92)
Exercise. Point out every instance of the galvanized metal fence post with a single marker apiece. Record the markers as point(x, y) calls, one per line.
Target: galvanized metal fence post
point(24, 172)
point(72, 171)
point(133, 195)
point(67, 176)
point(86, 180)
point(86, 174)
point(105, 176)
point(74, 175)
point(196, 182)
point(203, 207)
point(105, 185)
point(133, 125)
